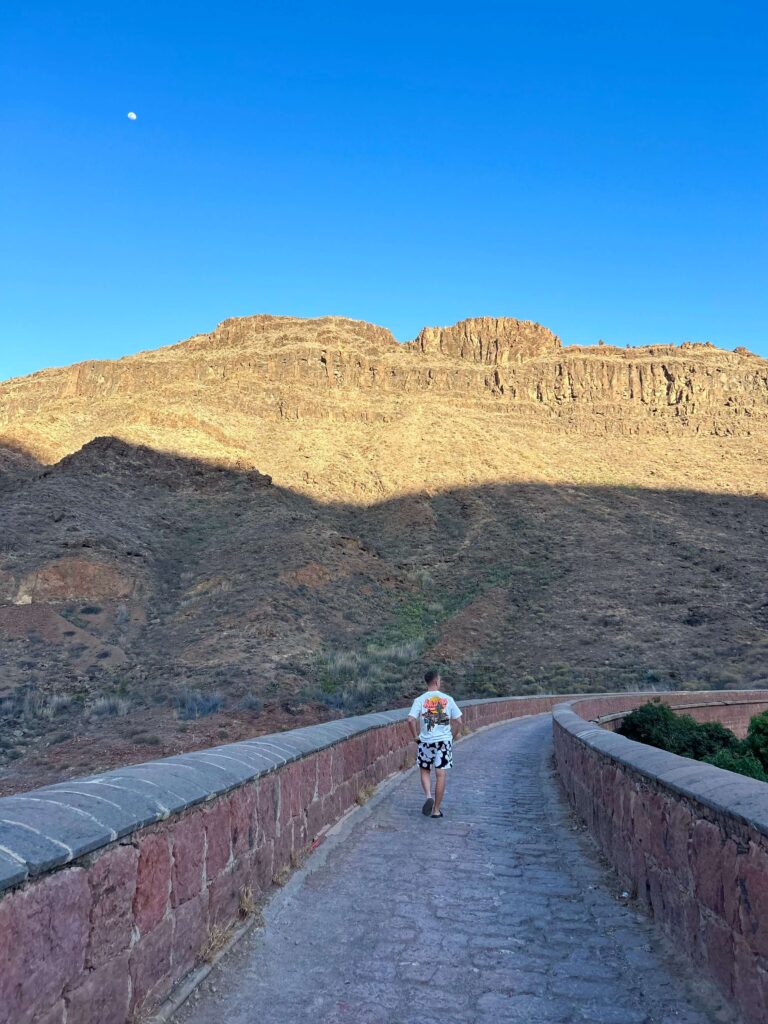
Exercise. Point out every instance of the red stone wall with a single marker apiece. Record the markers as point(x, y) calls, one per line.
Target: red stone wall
point(690, 840)
point(110, 935)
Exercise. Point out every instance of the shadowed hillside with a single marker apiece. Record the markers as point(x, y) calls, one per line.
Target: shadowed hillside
point(531, 517)
point(152, 603)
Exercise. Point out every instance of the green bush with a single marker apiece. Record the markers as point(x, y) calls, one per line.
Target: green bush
point(706, 739)
point(659, 726)
point(743, 762)
point(757, 738)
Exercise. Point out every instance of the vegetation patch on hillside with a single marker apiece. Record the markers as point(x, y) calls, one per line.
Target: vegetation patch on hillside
point(658, 725)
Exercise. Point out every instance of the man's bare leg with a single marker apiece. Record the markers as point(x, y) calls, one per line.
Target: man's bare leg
point(440, 780)
point(426, 782)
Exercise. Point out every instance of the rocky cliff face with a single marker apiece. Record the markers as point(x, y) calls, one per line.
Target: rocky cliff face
point(206, 393)
point(488, 340)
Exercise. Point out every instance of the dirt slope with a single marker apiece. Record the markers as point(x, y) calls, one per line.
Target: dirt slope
point(288, 519)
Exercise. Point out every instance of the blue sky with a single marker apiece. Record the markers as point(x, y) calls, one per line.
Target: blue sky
point(598, 167)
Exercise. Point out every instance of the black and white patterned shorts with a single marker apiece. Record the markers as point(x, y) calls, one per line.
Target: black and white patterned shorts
point(435, 755)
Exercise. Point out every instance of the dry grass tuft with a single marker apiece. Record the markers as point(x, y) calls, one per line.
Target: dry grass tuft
point(142, 1016)
point(282, 876)
point(215, 944)
point(365, 794)
point(247, 904)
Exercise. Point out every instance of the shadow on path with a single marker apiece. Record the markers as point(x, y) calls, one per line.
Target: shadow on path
point(499, 912)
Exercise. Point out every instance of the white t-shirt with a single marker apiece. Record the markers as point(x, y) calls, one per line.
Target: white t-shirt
point(434, 711)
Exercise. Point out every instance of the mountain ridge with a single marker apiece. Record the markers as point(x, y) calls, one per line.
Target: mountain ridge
point(334, 368)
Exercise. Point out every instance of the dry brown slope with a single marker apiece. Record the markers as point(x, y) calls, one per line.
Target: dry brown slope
point(603, 524)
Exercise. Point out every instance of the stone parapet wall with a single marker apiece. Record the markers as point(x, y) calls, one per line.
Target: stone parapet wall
point(690, 840)
point(732, 708)
point(113, 884)
point(734, 715)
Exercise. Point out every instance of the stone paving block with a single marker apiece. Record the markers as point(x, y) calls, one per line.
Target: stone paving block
point(242, 809)
point(150, 966)
point(104, 995)
point(74, 829)
point(188, 850)
point(218, 773)
point(121, 807)
point(56, 1015)
point(176, 787)
point(112, 881)
point(43, 939)
point(190, 935)
point(153, 881)
point(121, 816)
point(11, 871)
point(272, 754)
point(266, 758)
point(37, 851)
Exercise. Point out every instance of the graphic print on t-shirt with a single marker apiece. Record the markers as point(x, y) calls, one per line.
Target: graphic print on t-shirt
point(434, 711)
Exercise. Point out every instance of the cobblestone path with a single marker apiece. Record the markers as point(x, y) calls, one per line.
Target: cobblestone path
point(499, 912)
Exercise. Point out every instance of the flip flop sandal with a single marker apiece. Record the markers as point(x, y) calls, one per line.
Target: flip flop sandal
point(438, 815)
point(429, 803)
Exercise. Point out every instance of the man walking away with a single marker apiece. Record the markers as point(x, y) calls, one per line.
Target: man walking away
point(434, 721)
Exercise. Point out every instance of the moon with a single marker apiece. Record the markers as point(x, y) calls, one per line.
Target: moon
point(131, 116)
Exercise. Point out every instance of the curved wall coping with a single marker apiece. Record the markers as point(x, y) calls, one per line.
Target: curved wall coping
point(618, 715)
point(715, 788)
point(47, 828)
point(54, 825)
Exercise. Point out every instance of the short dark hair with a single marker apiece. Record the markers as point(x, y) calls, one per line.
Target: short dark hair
point(431, 675)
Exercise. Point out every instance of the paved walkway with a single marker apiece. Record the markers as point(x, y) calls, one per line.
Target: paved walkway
point(499, 912)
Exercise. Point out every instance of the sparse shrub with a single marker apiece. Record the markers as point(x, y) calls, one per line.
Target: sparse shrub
point(109, 707)
point(252, 703)
point(350, 681)
point(55, 705)
point(90, 609)
point(403, 652)
point(196, 704)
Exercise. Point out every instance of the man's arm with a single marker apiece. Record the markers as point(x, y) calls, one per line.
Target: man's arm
point(456, 727)
point(413, 725)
